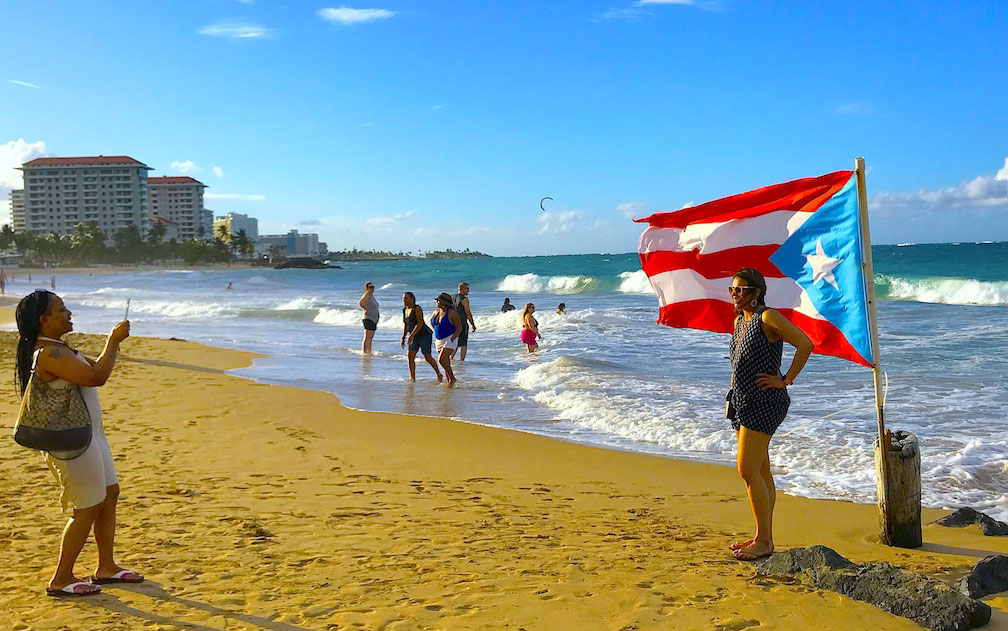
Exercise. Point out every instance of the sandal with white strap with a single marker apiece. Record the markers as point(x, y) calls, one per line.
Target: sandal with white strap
point(73, 590)
point(122, 576)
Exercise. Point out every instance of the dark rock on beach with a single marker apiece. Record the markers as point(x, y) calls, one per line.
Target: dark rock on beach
point(989, 576)
point(925, 600)
point(967, 516)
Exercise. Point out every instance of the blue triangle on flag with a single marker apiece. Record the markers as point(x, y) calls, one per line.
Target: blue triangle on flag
point(824, 257)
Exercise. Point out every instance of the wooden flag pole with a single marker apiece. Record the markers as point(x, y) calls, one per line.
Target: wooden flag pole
point(869, 277)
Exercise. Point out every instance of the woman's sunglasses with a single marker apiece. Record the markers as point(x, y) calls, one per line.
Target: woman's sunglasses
point(733, 289)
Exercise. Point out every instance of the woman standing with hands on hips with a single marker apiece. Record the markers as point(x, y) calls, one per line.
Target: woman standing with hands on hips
point(758, 400)
point(89, 483)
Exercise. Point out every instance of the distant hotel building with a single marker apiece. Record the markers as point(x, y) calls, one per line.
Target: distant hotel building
point(17, 223)
point(177, 201)
point(236, 222)
point(60, 193)
point(291, 244)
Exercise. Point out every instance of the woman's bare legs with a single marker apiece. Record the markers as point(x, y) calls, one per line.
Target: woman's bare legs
point(411, 355)
point(445, 359)
point(434, 365)
point(74, 535)
point(753, 462)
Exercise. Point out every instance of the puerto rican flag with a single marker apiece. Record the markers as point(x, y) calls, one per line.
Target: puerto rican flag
point(805, 238)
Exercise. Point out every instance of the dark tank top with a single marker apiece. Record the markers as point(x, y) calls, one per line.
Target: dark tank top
point(753, 353)
point(410, 322)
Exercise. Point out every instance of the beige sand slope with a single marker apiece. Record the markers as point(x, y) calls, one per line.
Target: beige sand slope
point(260, 507)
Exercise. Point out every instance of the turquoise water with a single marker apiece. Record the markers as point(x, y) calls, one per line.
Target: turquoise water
point(606, 373)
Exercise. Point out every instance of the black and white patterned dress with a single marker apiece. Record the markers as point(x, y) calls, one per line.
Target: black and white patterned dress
point(752, 353)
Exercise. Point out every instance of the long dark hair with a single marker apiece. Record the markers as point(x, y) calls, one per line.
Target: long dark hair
point(28, 316)
point(753, 278)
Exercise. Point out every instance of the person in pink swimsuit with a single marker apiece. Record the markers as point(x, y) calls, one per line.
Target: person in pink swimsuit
point(530, 328)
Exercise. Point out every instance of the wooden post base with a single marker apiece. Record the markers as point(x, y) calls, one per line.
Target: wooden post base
point(901, 524)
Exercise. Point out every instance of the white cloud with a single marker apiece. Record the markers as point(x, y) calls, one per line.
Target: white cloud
point(219, 172)
point(13, 154)
point(683, 2)
point(24, 84)
point(425, 233)
point(383, 221)
point(438, 106)
point(245, 197)
point(185, 167)
point(236, 30)
point(471, 231)
point(639, 9)
point(559, 222)
point(630, 209)
point(346, 15)
point(853, 109)
point(983, 191)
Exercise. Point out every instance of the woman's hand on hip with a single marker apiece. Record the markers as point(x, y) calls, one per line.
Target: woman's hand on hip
point(766, 381)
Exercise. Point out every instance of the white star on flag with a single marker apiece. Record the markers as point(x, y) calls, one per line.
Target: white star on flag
point(822, 265)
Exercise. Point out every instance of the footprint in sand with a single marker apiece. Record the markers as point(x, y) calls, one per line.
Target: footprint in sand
point(737, 624)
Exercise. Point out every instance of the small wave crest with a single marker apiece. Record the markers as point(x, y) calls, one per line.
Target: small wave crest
point(952, 291)
point(535, 284)
point(169, 308)
point(299, 304)
point(635, 283)
point(349, 316)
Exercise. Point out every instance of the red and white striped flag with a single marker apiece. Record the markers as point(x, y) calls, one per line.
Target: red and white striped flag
point(803, 236)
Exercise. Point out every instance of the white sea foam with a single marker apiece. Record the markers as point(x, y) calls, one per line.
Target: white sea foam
point(169, 308)
point(635, 283)
point(389, 286)
point(299, 304)
point(535, 284)
point(351, 316)
point(953, 291)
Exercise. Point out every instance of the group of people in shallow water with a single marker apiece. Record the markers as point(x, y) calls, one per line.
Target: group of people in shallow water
point(756, 406)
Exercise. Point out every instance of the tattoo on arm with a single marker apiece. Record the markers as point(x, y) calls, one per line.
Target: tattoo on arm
point(54, 352)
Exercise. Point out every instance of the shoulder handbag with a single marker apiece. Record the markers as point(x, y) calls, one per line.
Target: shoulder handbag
point(53, 419)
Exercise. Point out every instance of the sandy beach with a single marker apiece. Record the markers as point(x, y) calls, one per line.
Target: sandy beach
point(254, 506)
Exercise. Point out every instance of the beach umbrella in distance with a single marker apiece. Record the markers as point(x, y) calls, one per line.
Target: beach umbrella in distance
point(541, 202)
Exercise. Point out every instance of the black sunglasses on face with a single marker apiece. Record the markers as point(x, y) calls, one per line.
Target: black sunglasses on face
point(733, 289)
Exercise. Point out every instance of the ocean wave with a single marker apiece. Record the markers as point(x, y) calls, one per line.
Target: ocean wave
point(169, 308)
point(299, 304)
point(351, 316)
point(635, 283)
point(952, 291)
point(535, 284)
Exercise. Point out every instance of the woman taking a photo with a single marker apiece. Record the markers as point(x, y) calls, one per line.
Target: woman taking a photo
point(758, 400)
point(420, 336)
point(530, 328)
point(89, 483)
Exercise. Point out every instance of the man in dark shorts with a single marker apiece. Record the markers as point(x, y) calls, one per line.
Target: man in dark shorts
point(461, 304)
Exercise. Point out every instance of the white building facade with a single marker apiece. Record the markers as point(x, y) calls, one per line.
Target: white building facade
point(60, 193)
point(17, 223)
point(177, 202)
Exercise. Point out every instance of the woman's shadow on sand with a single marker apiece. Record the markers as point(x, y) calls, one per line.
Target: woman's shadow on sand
point(108, 600)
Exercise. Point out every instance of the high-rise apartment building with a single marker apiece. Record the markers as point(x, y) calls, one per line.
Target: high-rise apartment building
point(235, 222)
point(60, 193)
point(177, 201)
point(17, 222)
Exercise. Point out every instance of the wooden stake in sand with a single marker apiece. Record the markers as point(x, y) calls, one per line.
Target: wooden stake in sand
point(899, 527)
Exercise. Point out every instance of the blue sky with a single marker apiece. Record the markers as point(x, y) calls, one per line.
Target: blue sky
point(425, 125)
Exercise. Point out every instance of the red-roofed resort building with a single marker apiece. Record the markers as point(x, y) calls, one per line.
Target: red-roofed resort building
point(60, 193)
point(177, 202)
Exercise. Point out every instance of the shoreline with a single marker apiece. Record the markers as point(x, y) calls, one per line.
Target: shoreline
point(309, 515)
